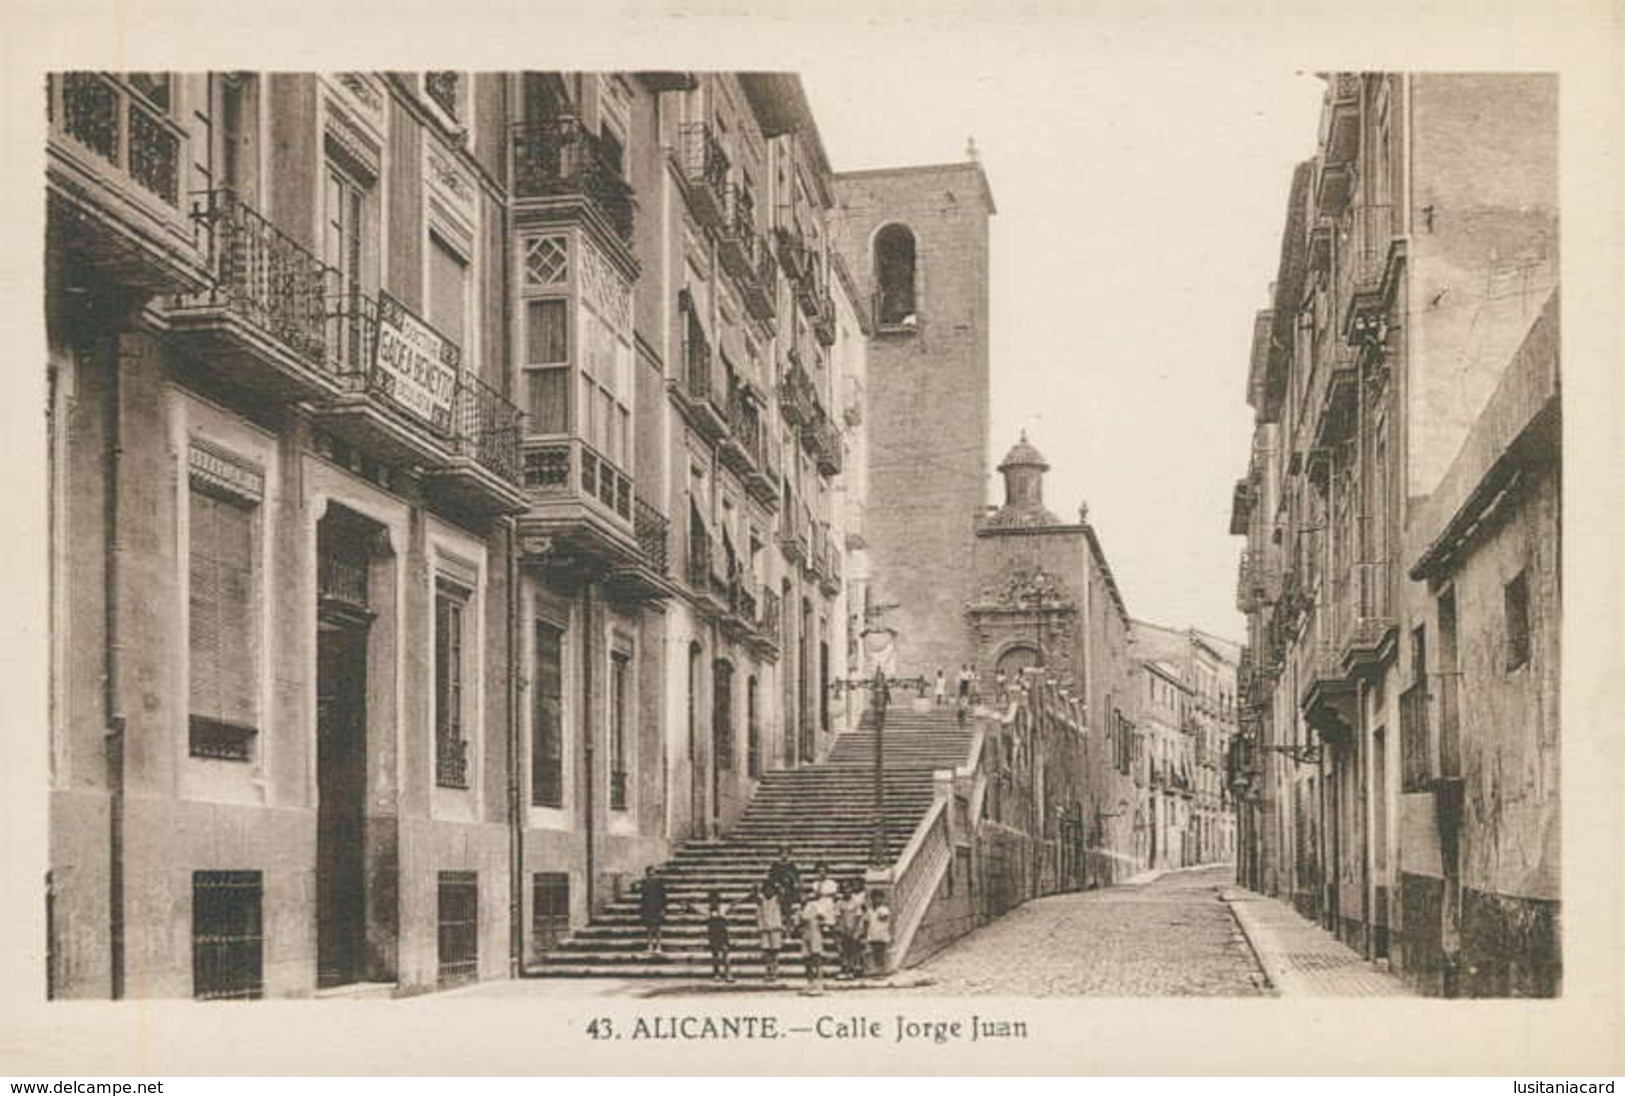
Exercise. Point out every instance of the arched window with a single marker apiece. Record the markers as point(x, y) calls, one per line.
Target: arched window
point(895, 271)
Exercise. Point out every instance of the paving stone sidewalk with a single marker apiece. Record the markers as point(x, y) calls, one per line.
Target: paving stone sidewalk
point(1300, 958)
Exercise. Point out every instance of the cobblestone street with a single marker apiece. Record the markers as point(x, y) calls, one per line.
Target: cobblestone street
point(1172, 936)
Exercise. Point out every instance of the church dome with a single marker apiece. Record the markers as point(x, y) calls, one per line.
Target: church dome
point(1023, 469)
point(1024, 455)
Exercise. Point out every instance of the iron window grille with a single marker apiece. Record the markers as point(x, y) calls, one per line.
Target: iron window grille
point(228, 941)
point(550, 910)
point(459, 927)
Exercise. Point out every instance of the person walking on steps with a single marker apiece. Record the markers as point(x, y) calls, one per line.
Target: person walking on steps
point(941, 689)
point(652, 908)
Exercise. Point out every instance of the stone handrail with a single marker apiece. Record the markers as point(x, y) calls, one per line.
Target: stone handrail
point(913, 880)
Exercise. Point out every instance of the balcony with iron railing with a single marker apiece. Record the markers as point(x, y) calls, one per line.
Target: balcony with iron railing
point(795, 533)
point(647, 576)
point(823, 320)
point(700, 386)
point(1363, 284)
point(271, 315)
point(1246, 584)
point(738, 241)
point(798, 397)
point(1326, 695)
point(707, 572)
point(116, 158)
point(581, 503)
point(1368, 625)
point(824, 444)
point(703, 167)
point(741, 446)
point(817, 549)
point(762, 477)
point(1340, 120)
point(560, 171)
point(458, 429)
point(829, 577)
point(747, 256)
point(484, 468)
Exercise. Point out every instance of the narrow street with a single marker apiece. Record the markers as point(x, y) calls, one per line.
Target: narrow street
point(1170, 937)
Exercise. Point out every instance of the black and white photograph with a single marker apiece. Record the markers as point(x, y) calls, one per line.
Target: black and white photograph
point(814, 540)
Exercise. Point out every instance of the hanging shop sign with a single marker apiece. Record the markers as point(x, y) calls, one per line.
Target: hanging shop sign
point(415, 366)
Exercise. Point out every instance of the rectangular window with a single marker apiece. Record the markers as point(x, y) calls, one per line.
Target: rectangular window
point(448, 290)
point(459, 923)
point(228, 940)
point(451, 749)
point(547, 718)
point(1516, 599)
point(620, 671)
point(547, 356)
point(550, 910)
point(222, 679)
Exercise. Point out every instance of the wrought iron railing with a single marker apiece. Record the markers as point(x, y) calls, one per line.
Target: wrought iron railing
point(825, 442)
point(563, 159)
point(823, 320)
point(653, 530)
point(699, 363)
point(120, 126)
point(705, 165)
point(697, 568)
point(352, 332)
point(798, 398)
point(771, 618)
point(451, 761)
point(487, 426)
point(746, 423)
point(263, 276)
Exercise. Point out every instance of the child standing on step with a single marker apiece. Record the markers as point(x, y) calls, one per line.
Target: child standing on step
point(879, 932)
point(770, 924)
point(716, 935)
point(813, 922)
point(853, 920)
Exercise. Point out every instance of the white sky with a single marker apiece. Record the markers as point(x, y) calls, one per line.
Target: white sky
point(1141, 201)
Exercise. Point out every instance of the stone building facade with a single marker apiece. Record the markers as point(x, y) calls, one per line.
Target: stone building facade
point(1049, 619)
point(1187, 682)
point(453, 503)
point(1405, 370)
point(916, 241)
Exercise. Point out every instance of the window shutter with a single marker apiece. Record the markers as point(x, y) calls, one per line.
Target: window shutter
point(221, 602)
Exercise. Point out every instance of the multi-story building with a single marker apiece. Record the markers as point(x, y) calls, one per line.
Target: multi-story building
point(1400, 497)
point(452, 491)
point(1188, 720)
point(1049, 619)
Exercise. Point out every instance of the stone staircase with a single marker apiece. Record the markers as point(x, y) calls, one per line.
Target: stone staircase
point(824, 812)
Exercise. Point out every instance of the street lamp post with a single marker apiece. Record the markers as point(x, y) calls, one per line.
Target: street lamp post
point(878, 642)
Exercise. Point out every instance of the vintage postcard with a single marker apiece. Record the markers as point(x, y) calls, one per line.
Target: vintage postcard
point(891, 542)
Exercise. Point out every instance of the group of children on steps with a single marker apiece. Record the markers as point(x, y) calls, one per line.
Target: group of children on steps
point(825, 912)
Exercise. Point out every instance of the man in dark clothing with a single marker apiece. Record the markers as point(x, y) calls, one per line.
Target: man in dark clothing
point(785, 880)
point(652, 906)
